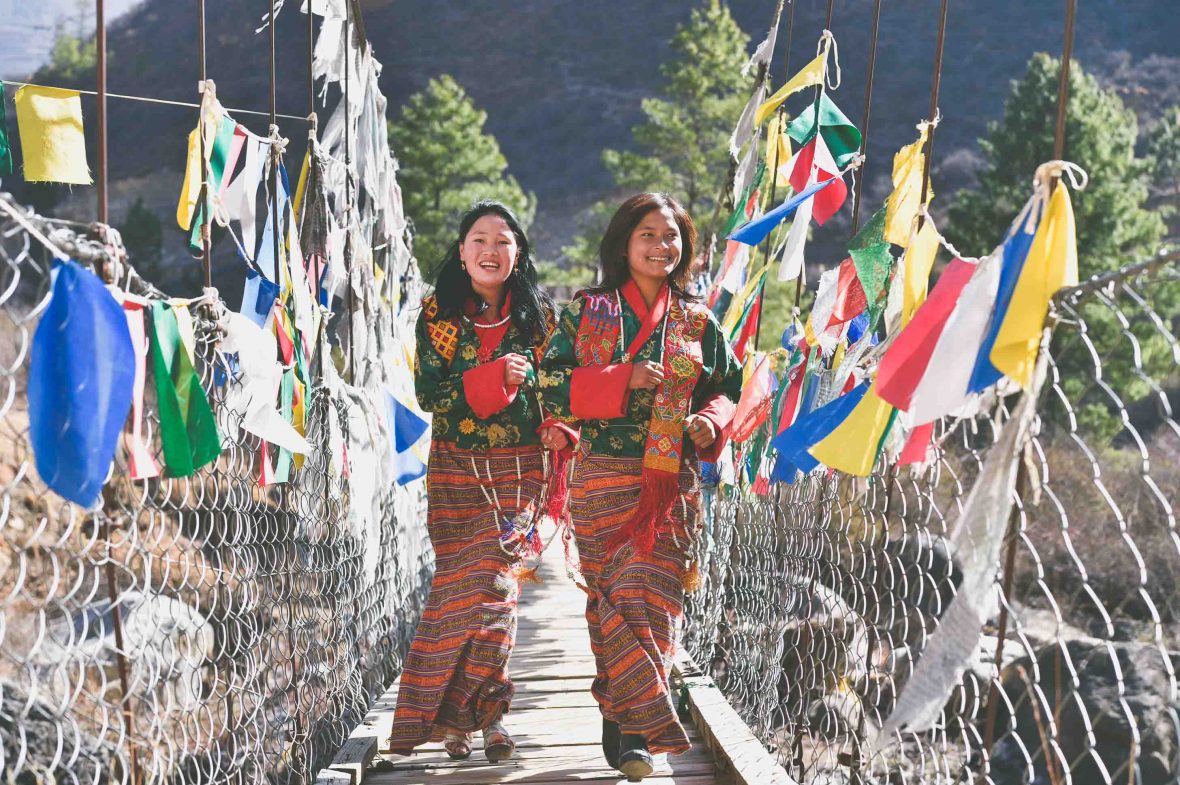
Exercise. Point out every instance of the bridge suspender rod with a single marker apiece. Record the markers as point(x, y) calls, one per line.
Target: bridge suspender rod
point(864, 139)
point(938, 50)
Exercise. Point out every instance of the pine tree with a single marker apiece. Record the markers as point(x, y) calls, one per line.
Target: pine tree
point(1114, 227)
point(682, 146)
point(447, 162)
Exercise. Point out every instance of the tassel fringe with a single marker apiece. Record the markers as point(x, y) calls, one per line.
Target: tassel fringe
point(658, 492)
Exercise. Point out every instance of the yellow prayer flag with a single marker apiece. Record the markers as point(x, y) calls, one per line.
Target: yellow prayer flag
point(190, 190)
point(299, 419)
point(810, 75)
point(51, 138)
point(902, 207)
point(301, 187)
point(852, 447)
point(778, 150)
point(919, 260)
point(1052, 264)
point(737, 306)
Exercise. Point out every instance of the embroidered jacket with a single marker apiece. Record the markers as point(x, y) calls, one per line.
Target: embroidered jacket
point(615, 420)
point(472, 406)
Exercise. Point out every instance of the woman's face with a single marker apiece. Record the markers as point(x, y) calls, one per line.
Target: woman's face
point(489, 251)
point(654, 248)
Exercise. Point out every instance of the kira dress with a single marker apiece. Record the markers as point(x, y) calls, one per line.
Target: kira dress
point(634, 495)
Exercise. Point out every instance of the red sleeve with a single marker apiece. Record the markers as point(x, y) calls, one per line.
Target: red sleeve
point(572, 433)
point(485, 391)
point(599, 392)
point(718, 410)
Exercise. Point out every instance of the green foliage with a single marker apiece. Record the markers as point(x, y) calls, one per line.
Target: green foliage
point(1163, 146)
point(448, 162)
point(1114, 228)
point(682, 146)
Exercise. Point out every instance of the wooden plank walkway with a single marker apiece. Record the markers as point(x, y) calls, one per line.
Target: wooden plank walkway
point(554, 719)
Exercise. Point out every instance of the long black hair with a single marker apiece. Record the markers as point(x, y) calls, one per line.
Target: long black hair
point(452, 287)
point(612, 251)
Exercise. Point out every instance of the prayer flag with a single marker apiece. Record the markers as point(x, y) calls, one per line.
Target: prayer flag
point(1052, 264)
point(81, 379)
point(904, 203)
point(853, 445)
point(5, 146)
point(810, 75)
point(840, 135)
point(51, 138)
point(756, 231)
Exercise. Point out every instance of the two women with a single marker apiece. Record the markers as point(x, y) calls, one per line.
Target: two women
point(479, 339)
point(640, 375)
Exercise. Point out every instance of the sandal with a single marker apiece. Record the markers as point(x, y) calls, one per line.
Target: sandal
point(497, 744)
point(458, 745)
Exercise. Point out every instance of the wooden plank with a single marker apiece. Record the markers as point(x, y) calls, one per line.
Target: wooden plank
point(737, 752)
point(354, 757)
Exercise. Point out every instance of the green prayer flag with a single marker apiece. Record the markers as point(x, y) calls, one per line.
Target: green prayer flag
point(885, 434)
point(218, 157)
point(873, 258)
point(5, 147)
point(187, 427)
point(840, 135)
point(286, 396)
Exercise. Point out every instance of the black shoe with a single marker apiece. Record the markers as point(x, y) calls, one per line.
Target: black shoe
point(634, 760)
point(610, 742)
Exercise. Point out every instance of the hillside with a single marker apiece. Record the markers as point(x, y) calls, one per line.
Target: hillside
point(563, 79)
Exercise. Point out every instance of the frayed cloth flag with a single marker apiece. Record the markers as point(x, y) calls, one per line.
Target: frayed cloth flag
point(825, 118)
point(918, 261)
point(808, 76)
point(1013, 254)
point(793, 444)
point(874, 261)
point(901, 209)
point(1051, 265)
point(188, 429)
point(813, 164)
point(754, 406)
point(853, 445)
point(81, 379)
point(52, 142)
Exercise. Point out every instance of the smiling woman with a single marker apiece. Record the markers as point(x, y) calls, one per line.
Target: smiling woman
point(645, 372)
point(479, 340)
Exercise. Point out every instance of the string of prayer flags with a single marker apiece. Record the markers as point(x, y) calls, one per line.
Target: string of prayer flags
point(187, 427)
point(808, 76)
point(5, 146)
point(52, 141)
point(825, 119)
point(81, 377)
point(1051, 265)
point(904, 203)
point(945, 389)
point(1013, 254)
point(905, 363)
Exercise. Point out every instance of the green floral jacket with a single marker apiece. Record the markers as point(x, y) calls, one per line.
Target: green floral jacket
point(472, 408)
point(714, 397)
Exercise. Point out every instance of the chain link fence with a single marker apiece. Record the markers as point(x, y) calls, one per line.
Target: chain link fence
point(820, 600)
point(206, 629)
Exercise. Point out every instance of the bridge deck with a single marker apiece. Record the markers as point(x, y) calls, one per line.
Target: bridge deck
point(554, 719)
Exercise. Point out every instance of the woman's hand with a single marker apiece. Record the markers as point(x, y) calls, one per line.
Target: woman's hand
point(646, 376)
point(700, 430)
point(516, 369)
point(553, 438)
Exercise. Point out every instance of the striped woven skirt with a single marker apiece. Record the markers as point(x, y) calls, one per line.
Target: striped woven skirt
point(456, 672)
point(635, 601)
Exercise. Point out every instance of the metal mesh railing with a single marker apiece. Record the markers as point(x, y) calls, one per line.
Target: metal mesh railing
point(819, 601)
point(205, 629)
